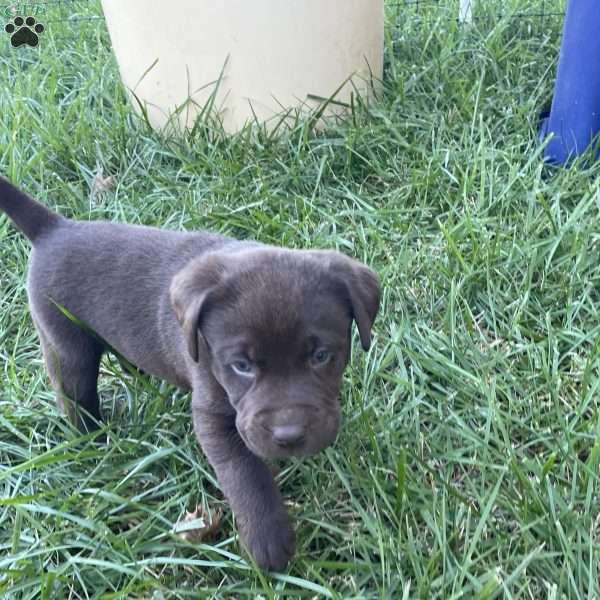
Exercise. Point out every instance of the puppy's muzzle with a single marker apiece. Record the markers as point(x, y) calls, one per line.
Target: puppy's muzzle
point(301, 431)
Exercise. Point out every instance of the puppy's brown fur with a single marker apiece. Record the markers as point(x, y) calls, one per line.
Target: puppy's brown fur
point(261, 336)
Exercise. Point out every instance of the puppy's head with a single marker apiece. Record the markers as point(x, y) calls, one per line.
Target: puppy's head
point(275, 326)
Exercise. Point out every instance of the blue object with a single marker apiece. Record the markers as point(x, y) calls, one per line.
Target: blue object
point(574, 118)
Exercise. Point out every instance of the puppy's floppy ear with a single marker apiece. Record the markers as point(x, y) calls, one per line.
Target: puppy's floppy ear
point(362, 289)
point(192, 290)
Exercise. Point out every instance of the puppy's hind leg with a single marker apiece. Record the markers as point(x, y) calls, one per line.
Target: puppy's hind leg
point(73, 366)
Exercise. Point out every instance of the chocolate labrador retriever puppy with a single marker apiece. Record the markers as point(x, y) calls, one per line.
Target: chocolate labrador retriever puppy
point(261, 335)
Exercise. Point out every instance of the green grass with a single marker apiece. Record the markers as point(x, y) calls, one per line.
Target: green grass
point(468, 464)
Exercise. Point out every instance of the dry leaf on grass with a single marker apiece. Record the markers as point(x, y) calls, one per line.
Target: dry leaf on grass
point(101, 184)
point(199, 525)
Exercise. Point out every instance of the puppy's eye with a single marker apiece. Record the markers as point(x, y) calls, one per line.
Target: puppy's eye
point(320, 356)
point(242, 367)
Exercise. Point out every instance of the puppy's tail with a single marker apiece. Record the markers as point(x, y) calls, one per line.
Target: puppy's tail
point(31, 217)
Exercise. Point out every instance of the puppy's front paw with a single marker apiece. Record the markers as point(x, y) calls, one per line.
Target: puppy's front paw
point(271, 541)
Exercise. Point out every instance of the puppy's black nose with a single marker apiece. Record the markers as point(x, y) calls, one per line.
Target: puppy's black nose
point(288, 435)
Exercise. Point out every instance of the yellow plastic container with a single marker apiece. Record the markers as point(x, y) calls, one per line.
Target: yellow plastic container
point(248, 59)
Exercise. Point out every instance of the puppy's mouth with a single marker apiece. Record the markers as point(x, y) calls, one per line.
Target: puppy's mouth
point(288, 440)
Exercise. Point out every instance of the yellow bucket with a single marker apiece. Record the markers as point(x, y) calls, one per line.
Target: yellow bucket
point(246, 60)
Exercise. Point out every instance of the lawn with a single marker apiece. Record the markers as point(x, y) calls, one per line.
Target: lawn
point(468, 462)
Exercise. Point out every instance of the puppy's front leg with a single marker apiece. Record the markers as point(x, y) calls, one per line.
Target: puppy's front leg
point(247, 483)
